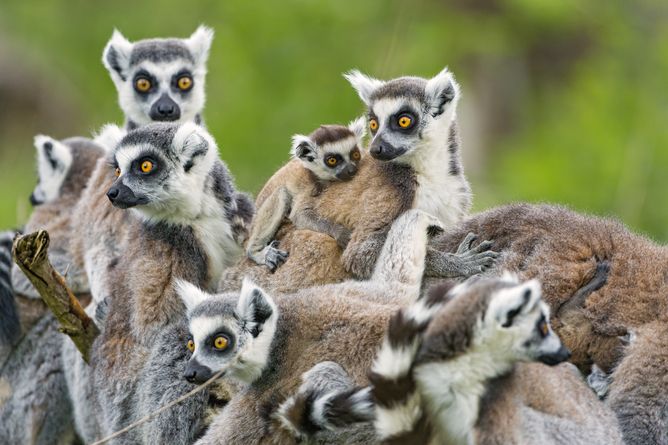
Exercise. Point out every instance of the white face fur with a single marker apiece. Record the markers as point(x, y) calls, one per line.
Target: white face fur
point(173, 186)
point(54, 160)
point(159, 79)
point(332, 160)
point(406, 113)
point(227, 335)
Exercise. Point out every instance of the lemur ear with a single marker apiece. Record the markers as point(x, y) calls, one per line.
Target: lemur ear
point(192, 143)
point(440, 91)
point(358, 127)
point(303, 148)
point(199, 44)
point(116, 56)
point(509, 304)
point(52, 156)
point(109, 136)
point(363, 84)
point(190, 294)
point(254, 307)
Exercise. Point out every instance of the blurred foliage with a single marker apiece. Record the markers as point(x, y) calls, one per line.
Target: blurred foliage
point(567, 99)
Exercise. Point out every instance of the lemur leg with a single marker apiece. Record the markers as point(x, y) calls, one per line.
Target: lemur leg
point(402, 258)
point(308, 219)
point(467, 261)
point(267, 221)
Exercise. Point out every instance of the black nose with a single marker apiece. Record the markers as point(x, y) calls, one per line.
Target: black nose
point(376, 150)
point(165, 109)
point(196, 373)
point(113, 192)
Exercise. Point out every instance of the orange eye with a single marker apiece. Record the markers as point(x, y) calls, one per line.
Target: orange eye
point(373, 124)
point(142, 84)
point(184, 83)
point(405, 121)
point(117, 172)
point(191, 346)
point(146, 166)
point(220, 342)
point(544, 328)
point(331, 161)
point(356, 155)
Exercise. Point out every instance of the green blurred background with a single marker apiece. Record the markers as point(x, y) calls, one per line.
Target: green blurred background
point(564, 100)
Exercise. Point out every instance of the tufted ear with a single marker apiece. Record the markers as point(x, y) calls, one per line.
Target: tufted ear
point(109, 136)
point(363, 84)
point(441, 92)
point(358, 127)
point(116, 56)
point(53, 164)
point(303, 148)
point(254, 307)
point(511, 303)
point(192, 143)
point(190, 294)
point(199, 44)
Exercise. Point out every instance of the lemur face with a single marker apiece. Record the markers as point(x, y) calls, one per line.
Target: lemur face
point(54, 160)
point(517, 319)
point(229, 333)
point(332, 152)
point(161, 169)
point(404, 113)
point(159, 79)
point(498, 321)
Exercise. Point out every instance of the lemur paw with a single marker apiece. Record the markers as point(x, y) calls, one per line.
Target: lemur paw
point(274, 257)
point(474, 260)
point(599, 381)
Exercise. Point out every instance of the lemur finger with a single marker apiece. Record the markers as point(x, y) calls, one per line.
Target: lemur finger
point(483, 246)
point(466, 244)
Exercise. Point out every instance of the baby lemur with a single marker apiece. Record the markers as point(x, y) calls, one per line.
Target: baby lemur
point(460, 369)
point(414, 162)
point(330, 153)
point(264, 342)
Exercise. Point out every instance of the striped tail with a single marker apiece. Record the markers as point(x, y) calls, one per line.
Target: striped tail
point(326, 400)
point(10, 325)
point(399, 418)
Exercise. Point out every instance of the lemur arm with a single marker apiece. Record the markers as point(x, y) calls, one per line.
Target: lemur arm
point(359, 258)
point(267, 221)
point(308, 219)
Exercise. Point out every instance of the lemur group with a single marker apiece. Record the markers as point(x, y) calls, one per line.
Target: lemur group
point(355, 301)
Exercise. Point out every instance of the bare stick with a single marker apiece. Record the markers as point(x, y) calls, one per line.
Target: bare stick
point(30, 253)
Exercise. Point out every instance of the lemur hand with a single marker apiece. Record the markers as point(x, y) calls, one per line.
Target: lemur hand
point(274, 257)
point(467, 261)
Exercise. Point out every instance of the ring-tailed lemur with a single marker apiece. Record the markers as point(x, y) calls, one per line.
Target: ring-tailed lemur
point(423, 172)
point(258, 346)
point(330, 153)
point(461, 373)
point(10, 326)
point(184, 220)
point(63, 168)
point(159, 79)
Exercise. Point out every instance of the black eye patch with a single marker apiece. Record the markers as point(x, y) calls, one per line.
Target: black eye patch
point(399, 117)
point(143, 74)
point(228, 336)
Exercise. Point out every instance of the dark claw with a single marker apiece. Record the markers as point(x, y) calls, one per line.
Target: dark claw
point(465, 245)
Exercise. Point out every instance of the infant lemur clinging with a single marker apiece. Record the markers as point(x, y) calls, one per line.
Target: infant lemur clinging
point(330, 153)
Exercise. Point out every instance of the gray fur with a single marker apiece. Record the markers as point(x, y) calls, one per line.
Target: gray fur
point(28, 413)
point(159, 50)
point(10, 325)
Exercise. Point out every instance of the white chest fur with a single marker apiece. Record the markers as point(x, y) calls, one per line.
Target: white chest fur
point(439, 193)
point(217, 240)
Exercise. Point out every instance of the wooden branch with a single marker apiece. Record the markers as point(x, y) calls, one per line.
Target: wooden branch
point(30, 253)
